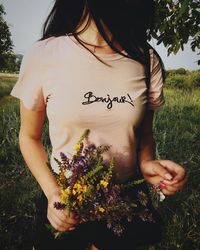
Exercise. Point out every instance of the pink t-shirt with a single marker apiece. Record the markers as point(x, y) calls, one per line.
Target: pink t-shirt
point(80, 92)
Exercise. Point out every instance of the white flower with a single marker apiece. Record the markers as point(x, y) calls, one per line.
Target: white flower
point(68, 173)
point(162, 196)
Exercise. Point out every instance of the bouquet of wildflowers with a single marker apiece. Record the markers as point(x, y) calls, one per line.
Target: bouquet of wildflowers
point(89, 188)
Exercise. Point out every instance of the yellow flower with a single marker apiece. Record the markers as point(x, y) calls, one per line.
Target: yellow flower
point(74, 192)
point(80, 198)
point(65, 195)
point(85, 188)
point(78, 188)
point(104, 183)
point(101, 209)
point(77, 147)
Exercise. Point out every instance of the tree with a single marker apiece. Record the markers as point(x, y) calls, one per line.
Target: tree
point(10, 64)
point(6, 45)
point(18, 61)
point(177, 23)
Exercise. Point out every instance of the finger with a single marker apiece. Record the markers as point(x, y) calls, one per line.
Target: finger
point(72, 217)
point(176, 170)
point(72, 221)
point(56, 225)
point(167, 192)
point(175, 182)
point(181, 174)
point(65, 226)
point(149, 170)
point(57, 220)
point(61, 218)
point(161, 171)
point(180, 184)
point(155, 168)
point(64, 213)
point(58, 213)
point(171, 189)
point(172, 182)
point(154, 179)
point(70, 214)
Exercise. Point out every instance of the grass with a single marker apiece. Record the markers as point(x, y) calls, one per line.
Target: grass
point(177, 132)
point(6, 84)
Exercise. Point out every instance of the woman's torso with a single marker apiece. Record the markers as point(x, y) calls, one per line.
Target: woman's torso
point(82, 93)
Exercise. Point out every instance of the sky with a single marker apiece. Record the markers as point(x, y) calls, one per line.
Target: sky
point(25, 19)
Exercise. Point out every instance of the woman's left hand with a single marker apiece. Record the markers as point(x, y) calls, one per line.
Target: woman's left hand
point(170, 175)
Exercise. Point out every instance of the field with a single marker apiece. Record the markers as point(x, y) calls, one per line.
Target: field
point(177, 132)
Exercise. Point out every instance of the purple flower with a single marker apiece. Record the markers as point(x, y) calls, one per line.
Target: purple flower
point(63, 156)
point(59, 205)
point(143, 199)
point(145, 215)
point(118, 229)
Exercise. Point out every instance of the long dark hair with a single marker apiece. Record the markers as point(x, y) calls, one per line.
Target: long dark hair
point(129, 21)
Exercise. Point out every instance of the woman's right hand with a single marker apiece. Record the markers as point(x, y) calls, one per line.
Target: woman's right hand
point(61, 220)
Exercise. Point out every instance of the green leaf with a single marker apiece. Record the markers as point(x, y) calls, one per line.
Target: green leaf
point(183, 8)
point(53, 231)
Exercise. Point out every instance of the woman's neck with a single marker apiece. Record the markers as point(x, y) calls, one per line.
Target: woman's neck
point(92, 36)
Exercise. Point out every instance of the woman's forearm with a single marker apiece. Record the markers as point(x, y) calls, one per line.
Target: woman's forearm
point(147, 149)
point(36, 158)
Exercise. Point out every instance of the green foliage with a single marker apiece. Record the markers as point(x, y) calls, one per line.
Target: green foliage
point(91, 174)
point(14, 178)
point(177, 131)
point(137, 182)
point(6, 45)
point(5, 40)
point(6, 84)
point(180, 71)
point(10, 64)
point(194, 78)
point(18, 189)
point(179, 81)
point(57, 235)
point(183, 79)
point(176, 23)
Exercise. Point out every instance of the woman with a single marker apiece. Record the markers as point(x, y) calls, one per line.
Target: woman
point(93, 68)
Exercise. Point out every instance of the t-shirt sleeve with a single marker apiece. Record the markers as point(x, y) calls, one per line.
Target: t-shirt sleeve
point(156, 95)
point(28, 87)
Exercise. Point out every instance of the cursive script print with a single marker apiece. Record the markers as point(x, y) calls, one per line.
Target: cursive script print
point(90, 98)
point(48, 97)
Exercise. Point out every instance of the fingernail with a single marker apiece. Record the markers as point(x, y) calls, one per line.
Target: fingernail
point(168, 176)
point(162, 185)
point(71, 228)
